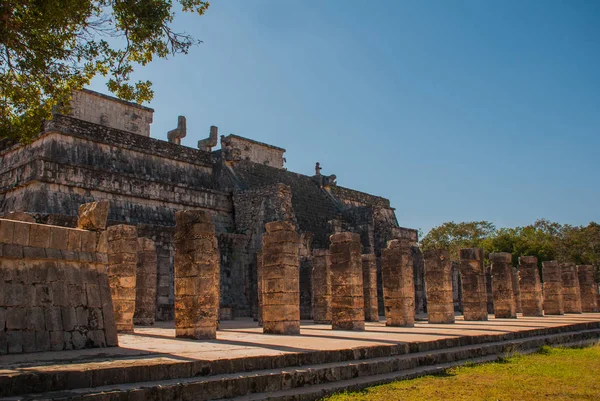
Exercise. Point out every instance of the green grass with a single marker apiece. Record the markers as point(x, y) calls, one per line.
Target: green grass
point(549, 374)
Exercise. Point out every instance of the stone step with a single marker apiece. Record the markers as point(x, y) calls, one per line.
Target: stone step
point(279, 381)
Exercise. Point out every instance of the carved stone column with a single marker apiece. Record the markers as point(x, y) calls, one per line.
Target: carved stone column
point(516, 289)
point(438, 285)
point(398, 283)
point(347, 301)
point(369, 264)
point(472, 274)
point(588, 288)
point(145, 294)
point(532, 300)
point(197, 276)
point(259, 286)
point(502, 284)
point(321, 277)
point(553, 292)
point(281, 279)
point(571, 291)
point(122, 243)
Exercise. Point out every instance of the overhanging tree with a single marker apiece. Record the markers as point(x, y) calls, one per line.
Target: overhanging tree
point(48, 48)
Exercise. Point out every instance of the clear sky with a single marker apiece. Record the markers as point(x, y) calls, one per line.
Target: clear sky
point(454, 110)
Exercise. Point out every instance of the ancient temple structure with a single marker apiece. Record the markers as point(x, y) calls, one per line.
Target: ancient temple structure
point(103, 150)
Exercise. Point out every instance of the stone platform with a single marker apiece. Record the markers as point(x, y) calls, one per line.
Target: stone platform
point(242, 362)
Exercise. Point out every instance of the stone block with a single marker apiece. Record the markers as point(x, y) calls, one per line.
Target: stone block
point(59, 238)
point(74, 240)
point(14, 339)
point(473, 284)
point(29, 344)
point(78, 339)
point(30, 252)
point(21, 234)
point(53, 318)
point(57, 342)
point(438, 286)
point(398, 283)
point(12, 251)
point(553, 291)
point(502, 285)
point(69, 318)
point(93, 216)
point(34, 319)
point(16, 318)
point(42, 341)
point(571, 289)
point(530, 287)
point(14, 295)
point(39, 236)
point(7, 229)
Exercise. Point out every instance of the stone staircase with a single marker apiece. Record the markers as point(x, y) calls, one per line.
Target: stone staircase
point(295, 376)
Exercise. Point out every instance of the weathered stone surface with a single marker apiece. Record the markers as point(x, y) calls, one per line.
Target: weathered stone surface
point(398, 283)
point(502, 284)
point(588, 289)
point(553, 288)
point(93, 215)
point(532, 301)
point(196, 276)
point(369, 264)
point(280, 279)
point(145, 292)
point(19, 216)
point(259, 276)
point(122, 266)
point(472, 274)
point(321, 277)
point(438, 284)
point(571, 290)
point(516, 289)
point(347, 300)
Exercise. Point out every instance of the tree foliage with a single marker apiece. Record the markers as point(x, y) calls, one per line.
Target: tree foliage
point(454, 236)
point(48, 48)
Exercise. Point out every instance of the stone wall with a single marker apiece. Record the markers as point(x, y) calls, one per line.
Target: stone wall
point(105, 110)
point(145, 291)
point(238, 274)
point(55, 290)
point(254, 151)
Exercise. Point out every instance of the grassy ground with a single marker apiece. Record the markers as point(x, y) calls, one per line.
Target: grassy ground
point(550, 374)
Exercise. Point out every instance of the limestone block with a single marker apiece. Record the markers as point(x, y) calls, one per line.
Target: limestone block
point(145, 300)
point(588, 289)
point(438, 286)
point(369, 264)
point(473, 284)
point(502, 285)
point(19, 216)
point(571, 290)
point(553, 291)
point(122, 265)
point(398, 283)
point(530, 286)
point(280, 279)
point(196, 261)
point(347, 297)
point(321, 283)
point(93, 216)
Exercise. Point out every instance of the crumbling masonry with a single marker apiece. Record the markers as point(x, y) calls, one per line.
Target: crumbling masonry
point(472, 273)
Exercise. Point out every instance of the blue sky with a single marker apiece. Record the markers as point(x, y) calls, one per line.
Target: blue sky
point(454, 110)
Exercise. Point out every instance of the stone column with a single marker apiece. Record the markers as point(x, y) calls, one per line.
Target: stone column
point(398, 283)
point(369, 265)
point(456, 287)
point(553, 293)
point(502, 284)
point(571, 291)
point(438, 284)
point(122, 243)
point(281, 279)
point(588, 289)
point(197, 276)
point(516, 289)
point(472, 274)
point(259, 286)
point(532, 301)
point(347, 302)
point(321, 278)
point(145, 294)
point(488, 289)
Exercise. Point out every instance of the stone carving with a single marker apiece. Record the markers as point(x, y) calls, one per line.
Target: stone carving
point(502, 284)
point(230, 152)
point(122, 265)
point(318, 168)
point(571, 290)
point(516, 289)
point(472, 274)
point(145, 294)
point(369, 264)
point(553, 291)
point(197, 276)
point(93, 216)
point(347, 302)
point(438, 285)
point(323, 180)
point(321, 284)
point(398, 283)
point(588, 289)
point(208, 143)
point(280, 279)
point(532, 301)
point(176, 135)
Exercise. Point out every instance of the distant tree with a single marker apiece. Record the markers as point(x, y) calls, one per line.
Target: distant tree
point(48, 48)
point(454, 236)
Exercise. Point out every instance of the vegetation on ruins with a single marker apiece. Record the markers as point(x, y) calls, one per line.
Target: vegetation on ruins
point(550, 374)
point(544, 239)
point(48, 48)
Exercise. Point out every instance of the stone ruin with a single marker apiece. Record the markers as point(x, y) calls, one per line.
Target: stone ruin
point(438, 282)
point(553, 288)
point(502, 284)
point(532, 299)
point(398, 284)
point(588, 289)
point(571, 289)
point(473, 281)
